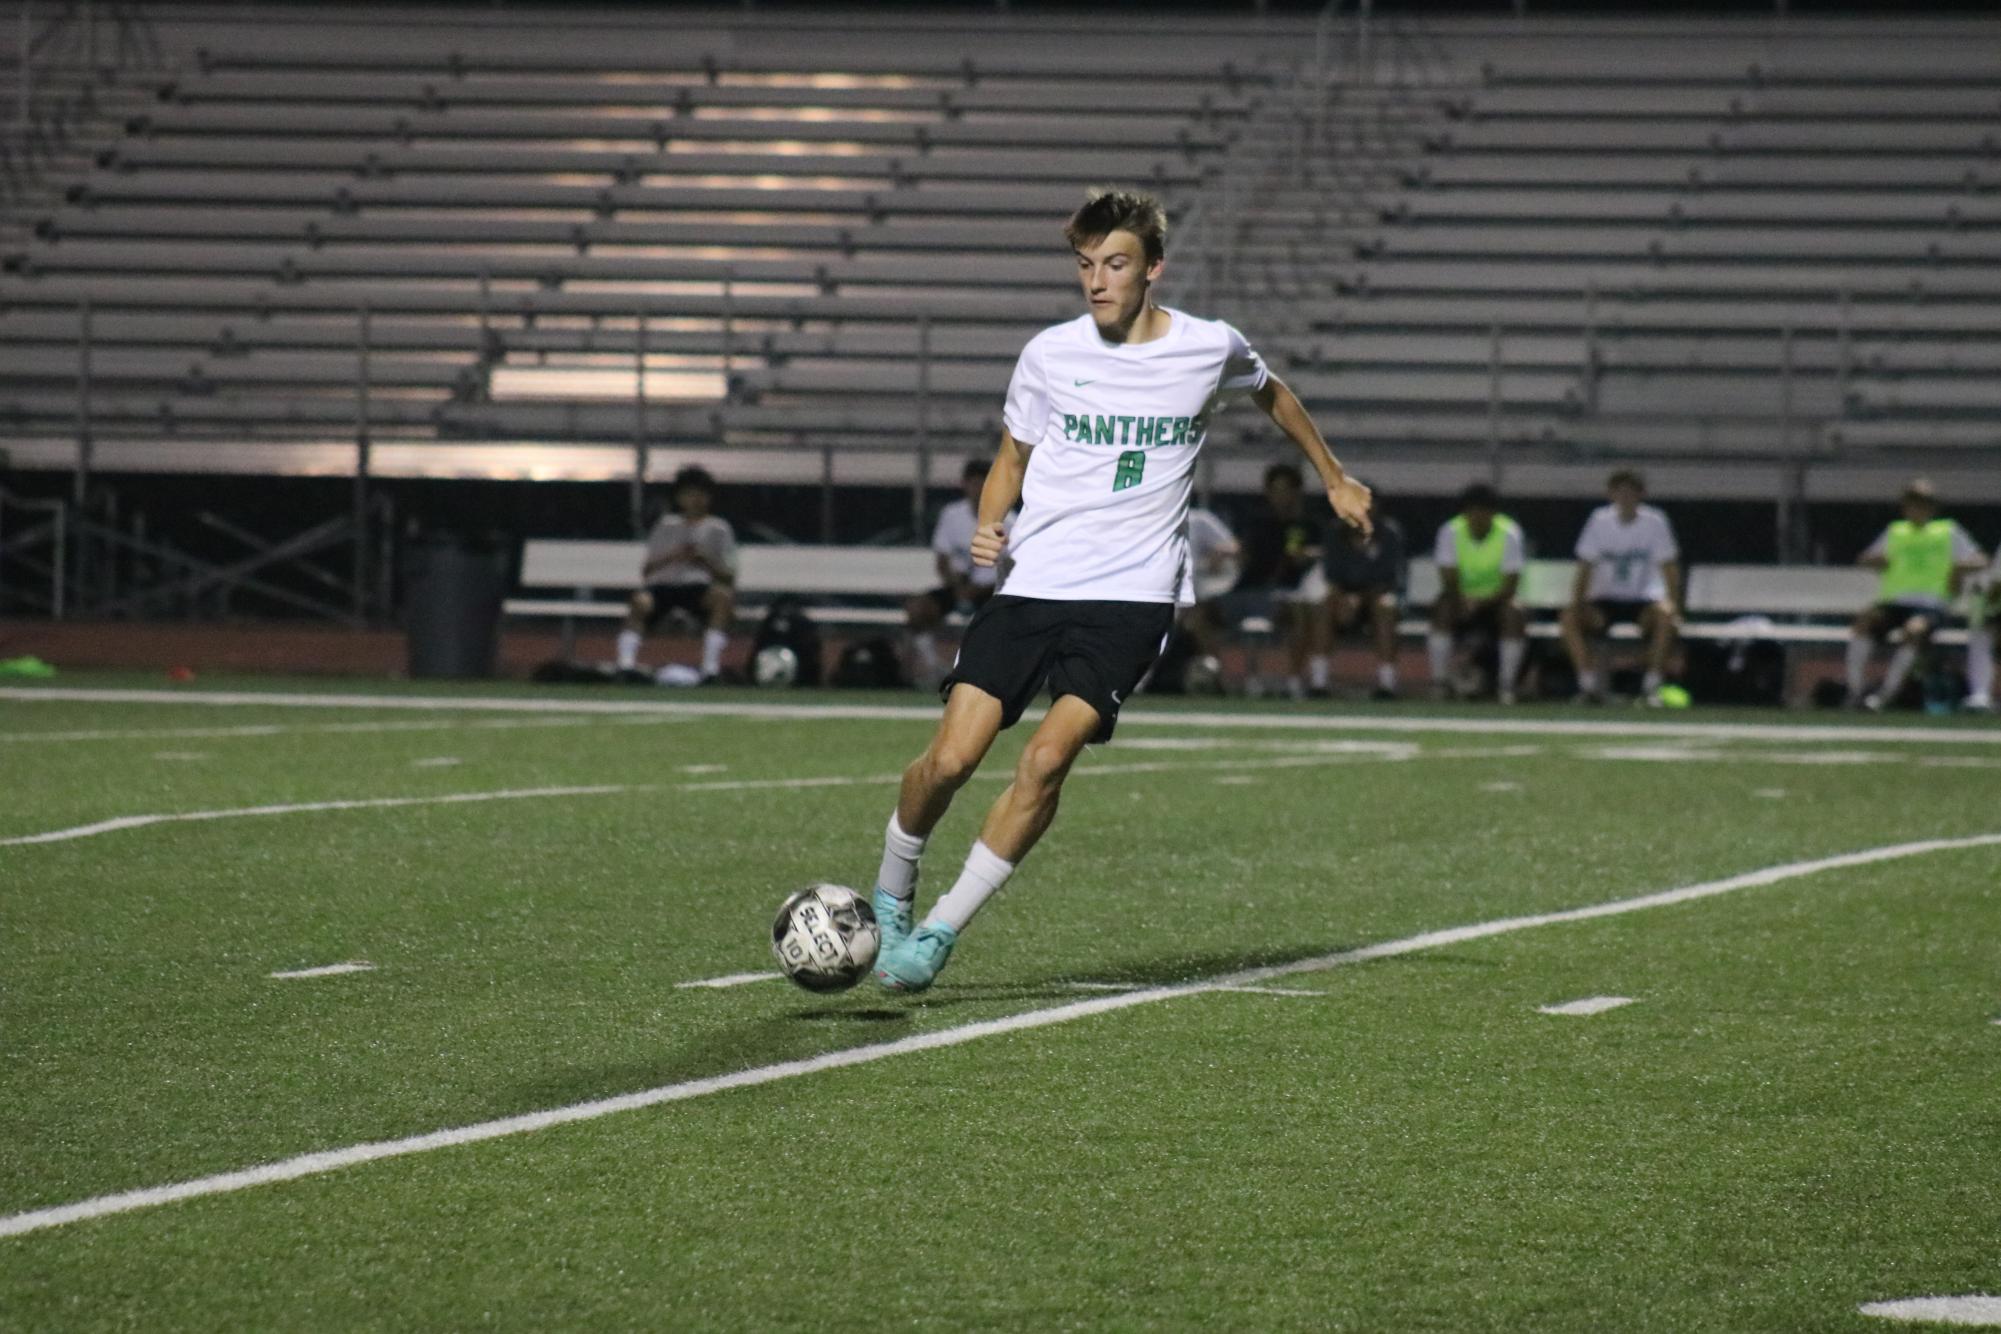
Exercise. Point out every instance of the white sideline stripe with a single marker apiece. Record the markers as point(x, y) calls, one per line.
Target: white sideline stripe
point(1256, 991)
point(1976, 1309)
point(731, 980)
point(112, 826)
point(1589, 1005)
point(331, 1160)
point(1141, 717)
point(327, 970)
point(283, 729)
point(124, 822)
point(436, 762)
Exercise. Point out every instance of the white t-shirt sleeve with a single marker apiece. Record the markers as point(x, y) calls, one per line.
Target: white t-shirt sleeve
point(1878, 549)
point(1445, 551)
point(1514, 552)
point(942, 535)
point(1027, 410)
point(721, 544)
point(1665, 547)
point(1244, 370)
point(1964, 548)
point(1591, 542)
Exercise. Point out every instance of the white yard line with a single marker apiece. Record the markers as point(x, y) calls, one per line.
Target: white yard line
point(1303, 720)
point(730, 980)
point(326, 970)
point(1589, 1005)
point(333, 1160)
point(289, 729)
point(1977, 1309)
point(296, 808)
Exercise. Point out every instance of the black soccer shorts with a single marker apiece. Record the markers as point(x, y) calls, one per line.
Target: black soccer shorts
point(1097, 651)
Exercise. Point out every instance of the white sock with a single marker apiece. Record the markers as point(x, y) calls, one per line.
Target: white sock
point(628, 650)
point(1858, 663)
point(1438, 647)
point(1980, 663)
point(1316, 671)
point(926, 645)
point(1587, 681)
point(1512, 653)
point(713, 643)
point(900, 852)
point(1650, 682)
point(1386, 675)
point(985, 873)
point(1900, 667)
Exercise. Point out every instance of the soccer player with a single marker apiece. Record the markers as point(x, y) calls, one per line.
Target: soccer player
point(1923, 558)
point(1365, 580)
point(1480, 555)
point(1103, 421)
point(962, 585)
point(1628, 570)
point(690, 567)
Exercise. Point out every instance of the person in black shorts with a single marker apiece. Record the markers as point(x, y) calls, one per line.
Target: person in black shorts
point(1103, 426)
point(690, 568)
point(1365, 580)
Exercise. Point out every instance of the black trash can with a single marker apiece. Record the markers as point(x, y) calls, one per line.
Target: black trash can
point(452, 613)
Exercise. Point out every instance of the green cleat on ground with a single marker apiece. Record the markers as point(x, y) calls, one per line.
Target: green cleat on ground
point(892, 918)
point(917, 959)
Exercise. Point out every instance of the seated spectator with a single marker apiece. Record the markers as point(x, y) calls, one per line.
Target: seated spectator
point(1923, 558)
point(690, 569)
point(962, 585)
point(1480, 555)
point(1282, 561)
point(1628, 570)
point(1365, 581)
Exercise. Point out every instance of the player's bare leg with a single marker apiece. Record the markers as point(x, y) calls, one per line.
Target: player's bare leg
point(1582, 624)
point(1383, 620)
point(1439, 643)
point(719, 604)
point(1861, 642)
point(1657, 627)
point(967, 730)
point(1015, 822)
point(1514, 649)
point(638, 610)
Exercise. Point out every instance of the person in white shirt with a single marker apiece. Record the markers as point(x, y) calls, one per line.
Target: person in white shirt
point(1215, 558)
point(1104, 420)
point(1628, 570)
point(1923, 559)
point(962, 585)
point(1980, 638)
point(690, 567)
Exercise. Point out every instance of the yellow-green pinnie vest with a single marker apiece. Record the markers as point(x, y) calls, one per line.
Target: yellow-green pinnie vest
point(1480, 561)
point(1919, 560)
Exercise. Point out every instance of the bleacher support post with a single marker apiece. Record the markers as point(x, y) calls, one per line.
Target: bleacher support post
point(363, 448)
point(921, 480)
point(1494, 402)
point(639, 429)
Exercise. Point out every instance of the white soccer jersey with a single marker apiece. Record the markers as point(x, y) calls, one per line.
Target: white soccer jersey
point(1115, 429)
point(1626, 558)
point(711, 535)
point(952, 538)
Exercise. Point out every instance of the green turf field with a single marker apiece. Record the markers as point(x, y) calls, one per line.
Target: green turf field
point(1795, 1115)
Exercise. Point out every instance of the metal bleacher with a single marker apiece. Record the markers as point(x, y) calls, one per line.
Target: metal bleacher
point(1511, 249)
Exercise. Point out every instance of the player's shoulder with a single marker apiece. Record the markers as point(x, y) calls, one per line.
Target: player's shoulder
point(1218, 333)
point(1060, 334)
point(1654, 514)
point(1604, 514)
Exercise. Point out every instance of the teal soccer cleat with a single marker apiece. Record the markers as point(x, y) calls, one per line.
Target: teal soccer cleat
point(893, 918)
point(917, 959)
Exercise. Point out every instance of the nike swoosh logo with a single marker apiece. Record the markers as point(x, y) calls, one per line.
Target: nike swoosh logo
point(1081, 383)
point(1115, 697)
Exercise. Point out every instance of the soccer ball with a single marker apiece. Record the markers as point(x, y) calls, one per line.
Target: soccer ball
point(776, 665)
point(825, 937)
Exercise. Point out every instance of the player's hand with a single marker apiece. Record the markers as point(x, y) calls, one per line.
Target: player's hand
point(988, 543)
point(1351, 501)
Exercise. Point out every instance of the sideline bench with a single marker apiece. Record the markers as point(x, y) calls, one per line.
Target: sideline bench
point(589, 581)
point(596, 577)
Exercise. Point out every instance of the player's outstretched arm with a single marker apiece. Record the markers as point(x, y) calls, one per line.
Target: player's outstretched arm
point(1349, 497)
point(1001, 493)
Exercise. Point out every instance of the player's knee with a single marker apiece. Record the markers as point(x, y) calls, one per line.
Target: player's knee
point(1917, 630)
point(639, 606)
point(1043, 766)
point(950, 763)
